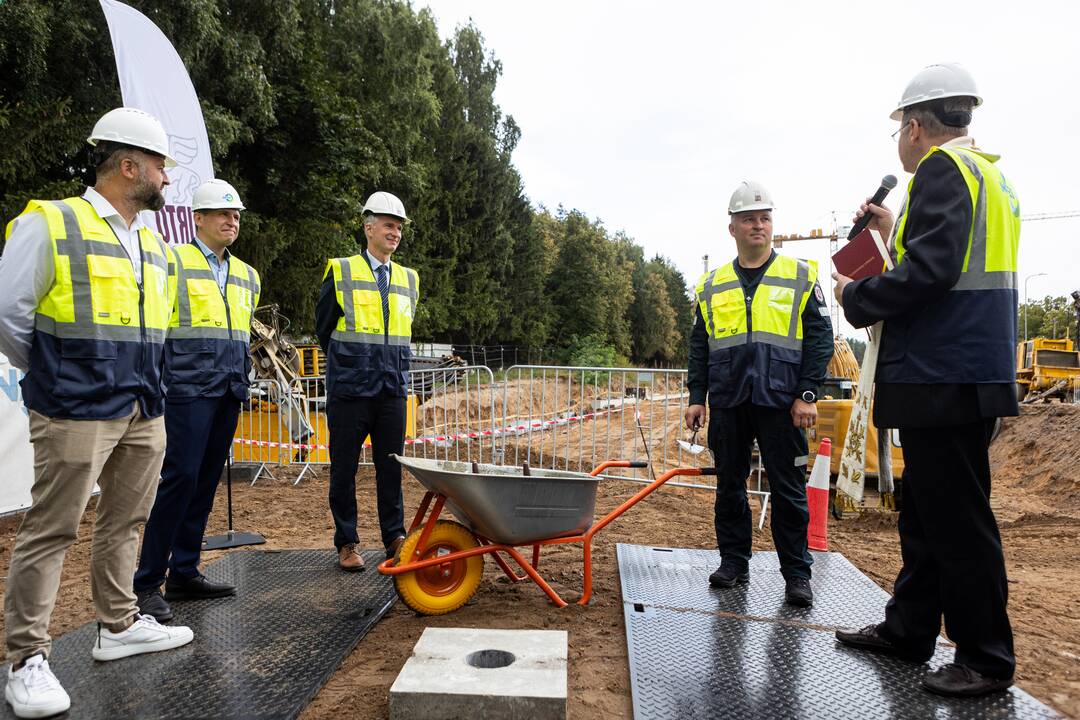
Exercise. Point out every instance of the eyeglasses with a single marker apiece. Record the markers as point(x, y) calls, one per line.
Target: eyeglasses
point(896, 135)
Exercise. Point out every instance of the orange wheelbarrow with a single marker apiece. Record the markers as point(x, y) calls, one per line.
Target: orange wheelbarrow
point(499, 508)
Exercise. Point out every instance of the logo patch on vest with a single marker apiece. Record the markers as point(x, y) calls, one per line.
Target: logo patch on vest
point(819, 294)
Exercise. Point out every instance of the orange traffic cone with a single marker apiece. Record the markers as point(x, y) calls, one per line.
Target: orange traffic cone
point(817, 497)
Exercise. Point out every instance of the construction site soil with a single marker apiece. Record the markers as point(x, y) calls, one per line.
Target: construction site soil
point(1036, 496)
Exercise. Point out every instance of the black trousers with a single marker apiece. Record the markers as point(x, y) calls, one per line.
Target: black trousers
point(350, 422)
point(953, 562)
point(784, 452)
point(199, 432)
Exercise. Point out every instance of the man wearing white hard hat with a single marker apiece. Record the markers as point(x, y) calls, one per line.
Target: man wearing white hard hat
point(364, 322)
point(945, 373)
point(760, 346)
point(206, 378)
point(86, 289)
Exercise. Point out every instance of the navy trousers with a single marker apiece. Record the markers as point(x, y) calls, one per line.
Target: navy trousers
point(199, 432)
point(349, 422)
point(953, 561)
point(784, 453)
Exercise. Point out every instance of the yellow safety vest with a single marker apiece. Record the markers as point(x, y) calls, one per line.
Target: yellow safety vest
point(968, 335)
point(200, 310)
point(755, 345)
point(99, 333)
point(994, 238)
point(207, 347)
point(775, 315)
point(365, 357)
point(359, 298)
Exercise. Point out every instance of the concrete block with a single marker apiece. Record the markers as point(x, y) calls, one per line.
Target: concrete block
point(476, 673)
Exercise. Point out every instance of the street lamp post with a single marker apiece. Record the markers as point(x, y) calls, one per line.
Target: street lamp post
point(1026, 301)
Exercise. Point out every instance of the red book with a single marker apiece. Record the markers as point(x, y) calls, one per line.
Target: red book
point(863, 256)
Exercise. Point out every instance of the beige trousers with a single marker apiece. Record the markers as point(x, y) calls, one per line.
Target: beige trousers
point(123, 457)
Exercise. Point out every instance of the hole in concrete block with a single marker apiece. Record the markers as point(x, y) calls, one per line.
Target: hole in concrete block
point(639, 607)
point(488, 659)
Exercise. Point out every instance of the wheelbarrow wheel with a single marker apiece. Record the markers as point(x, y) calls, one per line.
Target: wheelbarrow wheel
point(439, 589)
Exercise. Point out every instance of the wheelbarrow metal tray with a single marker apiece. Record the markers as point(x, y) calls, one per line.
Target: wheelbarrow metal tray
point(506, 506)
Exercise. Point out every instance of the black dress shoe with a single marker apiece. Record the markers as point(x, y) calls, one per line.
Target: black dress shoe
point(955, 680)
point(727, 576)
point(870, 638)
point(798, 593)
point(151, 602)
point(196, 588)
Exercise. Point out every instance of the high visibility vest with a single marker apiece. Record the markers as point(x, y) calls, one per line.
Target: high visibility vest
point(367, 357)
point(755, 343)
point(206, 350)
point(98, 333)
point(969, 335)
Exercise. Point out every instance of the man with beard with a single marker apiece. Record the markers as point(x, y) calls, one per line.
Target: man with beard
point(86, 294)
point(206, 378)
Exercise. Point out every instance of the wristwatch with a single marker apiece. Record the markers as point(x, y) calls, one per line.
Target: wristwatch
point(809, 396)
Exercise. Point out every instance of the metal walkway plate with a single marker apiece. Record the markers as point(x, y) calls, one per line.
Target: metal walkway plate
point(261, 654)
point(696, 652)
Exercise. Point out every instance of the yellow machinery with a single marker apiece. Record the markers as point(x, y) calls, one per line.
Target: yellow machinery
point(267, 438)
point(1046, 368)
point(834, 412)
point(832, 423)
point(312, 360)
point(288, 408)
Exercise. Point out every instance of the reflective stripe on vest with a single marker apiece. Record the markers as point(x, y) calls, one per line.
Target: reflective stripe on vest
point(200, 310)
point(775, 314)
point(361, 302)
point(95, 295)
point(994, 238)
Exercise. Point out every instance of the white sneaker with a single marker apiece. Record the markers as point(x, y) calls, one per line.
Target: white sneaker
point(145, 635)
point(34, 692)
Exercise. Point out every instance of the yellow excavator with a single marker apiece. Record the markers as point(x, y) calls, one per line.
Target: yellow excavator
point(834, 412)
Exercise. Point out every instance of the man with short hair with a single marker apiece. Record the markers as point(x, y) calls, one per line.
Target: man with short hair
point(945, 373)
point(206, 378)
point(759, 349)
point(364, 322)
point(85, 294)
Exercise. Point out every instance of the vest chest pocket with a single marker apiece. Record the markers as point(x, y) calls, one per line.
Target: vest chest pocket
point(114, 296)
point(87, 369)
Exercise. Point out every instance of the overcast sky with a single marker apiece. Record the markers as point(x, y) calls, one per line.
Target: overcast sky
point(648, 114)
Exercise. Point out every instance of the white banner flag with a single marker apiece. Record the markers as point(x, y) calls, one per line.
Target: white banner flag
point(16, 453)
point(153, 78)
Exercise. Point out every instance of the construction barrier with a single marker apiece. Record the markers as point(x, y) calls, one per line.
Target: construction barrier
point(577, 416)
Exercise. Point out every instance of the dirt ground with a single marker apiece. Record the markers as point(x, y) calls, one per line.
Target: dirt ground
point(1036, 496)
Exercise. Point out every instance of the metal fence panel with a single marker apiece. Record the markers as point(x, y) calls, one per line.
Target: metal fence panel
point(573, 418)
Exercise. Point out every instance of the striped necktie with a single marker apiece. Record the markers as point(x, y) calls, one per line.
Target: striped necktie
point(384, 290)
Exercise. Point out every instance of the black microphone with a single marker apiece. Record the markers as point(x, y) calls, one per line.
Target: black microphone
point(887, 183)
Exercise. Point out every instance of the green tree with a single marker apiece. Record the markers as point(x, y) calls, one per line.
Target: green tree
point(1050, 317)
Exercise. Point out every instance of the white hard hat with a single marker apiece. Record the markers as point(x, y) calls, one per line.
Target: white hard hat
point(134, 127)
point(216, 195)
point(749, 196)
point(934, 82)
point(383, 203)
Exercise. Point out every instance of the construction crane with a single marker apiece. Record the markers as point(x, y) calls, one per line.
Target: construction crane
point(834, 245)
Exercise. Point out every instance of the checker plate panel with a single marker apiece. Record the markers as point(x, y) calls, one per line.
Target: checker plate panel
point(262, 654)
point(696, 652)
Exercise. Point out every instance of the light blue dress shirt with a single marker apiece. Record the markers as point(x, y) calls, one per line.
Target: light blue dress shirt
point(220, 267)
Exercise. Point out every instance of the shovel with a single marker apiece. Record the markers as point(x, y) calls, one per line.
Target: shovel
point(692, 447)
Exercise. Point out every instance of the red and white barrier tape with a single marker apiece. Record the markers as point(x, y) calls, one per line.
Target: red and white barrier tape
point(520, 429)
